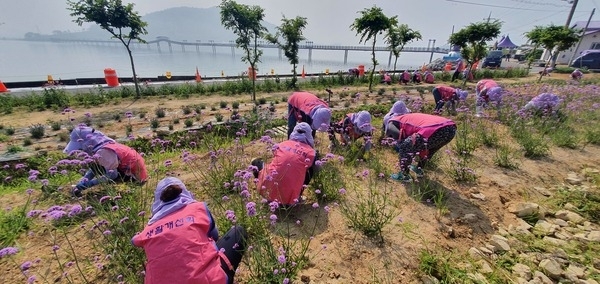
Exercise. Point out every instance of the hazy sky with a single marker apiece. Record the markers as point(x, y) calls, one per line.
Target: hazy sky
point(329, 20)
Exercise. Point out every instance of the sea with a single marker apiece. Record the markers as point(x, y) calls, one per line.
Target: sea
point(22, 61)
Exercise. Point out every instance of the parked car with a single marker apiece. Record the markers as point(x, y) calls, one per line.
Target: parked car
point(589, 59)
point(492, 59)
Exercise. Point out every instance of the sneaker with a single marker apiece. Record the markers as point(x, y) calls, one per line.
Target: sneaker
point(417, 171)
point(402, 177)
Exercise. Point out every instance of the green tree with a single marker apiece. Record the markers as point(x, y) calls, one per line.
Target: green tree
point(121, 21)
point(246, 22)
point(371, 23)
point(472, 40)
point(291, 32)
point(553, 38)
point(398, 36)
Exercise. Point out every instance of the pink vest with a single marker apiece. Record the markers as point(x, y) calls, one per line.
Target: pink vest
point(179, 250)
point(130, 162)
point(447, 92)
point(421, 123)
point(405, 76)
point(486, 84)
point(282, 179)
point(305, 102)
point(429, 78)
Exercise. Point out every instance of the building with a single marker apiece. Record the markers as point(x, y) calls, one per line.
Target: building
point(590, 40)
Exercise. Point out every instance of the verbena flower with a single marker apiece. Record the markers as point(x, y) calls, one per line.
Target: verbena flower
point(7, 251)
point(251, 208)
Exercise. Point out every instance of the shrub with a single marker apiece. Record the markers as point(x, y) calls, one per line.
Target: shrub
point(213, 108)
point(142, 114)
point(160, 112)
point(188, 122)
point(235, 105)
point(176, 120)
point(37, 131)
point(9, 131)
point(27, 142)
point(219, 117)
point(223, 104)
point(262, 101)
point(55, 125)
point(505, 157)
point(154, 123)
point(170, 126)
point(11, 149)
point(63, 136)
point(186, 109)
point(347, 104)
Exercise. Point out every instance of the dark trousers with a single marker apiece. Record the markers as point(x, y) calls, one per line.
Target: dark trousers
point(439, 102)
point(455, 75)
point(410, 147)
point(234, 244)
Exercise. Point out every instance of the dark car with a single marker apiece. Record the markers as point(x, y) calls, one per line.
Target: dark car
point(492, 59)
point(588, 59)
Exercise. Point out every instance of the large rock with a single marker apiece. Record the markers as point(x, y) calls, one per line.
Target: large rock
point(522, 271)
point(574, 179)
point(524, 209)
point(500, 243)
point(485, 267)
point(569, 216)
point(539, 277)
point(576, 271)
point(544, 228)
point(594, 236)
point(552, 268)
point(555, 241)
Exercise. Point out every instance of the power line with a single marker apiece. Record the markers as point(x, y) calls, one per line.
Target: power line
point(498, 6)
point(542, 3)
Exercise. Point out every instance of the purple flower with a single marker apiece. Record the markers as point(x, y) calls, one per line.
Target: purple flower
point(273, 206)
point(31, 279)
point(104, 198)
point(87, 114)
point(8, 251)
point(281, 258)
point(69, 264)
point(55, 248)
point(327, 209)
point(230, 214)
point(25, 265)
point(286, 281)
point(168, 163)
point(29, 191)
point(107, 232)
point(75, 210)
point(273, 219)
point(33, 213)
point(115, 208)
point(123, 220)
point(251, 209)
point(315, 205)
point(342, 191)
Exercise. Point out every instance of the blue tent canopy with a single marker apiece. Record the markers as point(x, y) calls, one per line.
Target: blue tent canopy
point(505, 42)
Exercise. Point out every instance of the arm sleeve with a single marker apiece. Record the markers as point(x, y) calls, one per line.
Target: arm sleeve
point(109, 161)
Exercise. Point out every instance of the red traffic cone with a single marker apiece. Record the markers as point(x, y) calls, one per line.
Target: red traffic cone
point(198, 78)
point(3, 88)
point(303, 74)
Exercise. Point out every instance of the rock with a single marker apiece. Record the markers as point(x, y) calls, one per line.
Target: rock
point(486, 250)
point(524, 209)
point(569, 216)
point(544, 228)
point(334, 275)
point(503, 232)
point(543, 191)
point(305, 279)
point(540, 277)
point(504, 199)
point(560, 254)
point(580, 237)
point(520, 280)
point(479, 196)
point(591, 281)
point(426, 279)
point(522, 271)
point(554, 241)
point(594, 236)
point(477, 277)
point(450, 233)
point(500, 243)
point(470, 218)
point(485, 267)
point(579, 272)
point(475, 253)
point(552, 268)
point(570, 206)
point(563, 235)
point(560, 222)
point(574, 179)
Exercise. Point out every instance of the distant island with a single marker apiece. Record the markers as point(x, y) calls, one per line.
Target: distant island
point(181, 23)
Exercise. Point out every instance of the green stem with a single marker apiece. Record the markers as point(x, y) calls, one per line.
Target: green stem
point(75, 257)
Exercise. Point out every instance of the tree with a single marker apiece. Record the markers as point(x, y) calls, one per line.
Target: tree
point(291, 32)
point(246, 22)
point(553, 38)
point(398, 36)
point(472, 40)
point(119, 20)
point(371, 23)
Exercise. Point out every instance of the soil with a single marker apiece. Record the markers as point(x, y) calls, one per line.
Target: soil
point(348, 257)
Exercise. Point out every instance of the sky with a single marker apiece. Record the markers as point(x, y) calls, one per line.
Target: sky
point(329, 20)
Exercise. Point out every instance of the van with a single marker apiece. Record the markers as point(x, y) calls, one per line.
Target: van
point(492, 59)
point(589, 59)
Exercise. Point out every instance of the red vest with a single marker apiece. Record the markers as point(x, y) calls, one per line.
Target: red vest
point(179, 250)
point(349, 128)
point(429, 78)
point(283, 178)
point(305, 102)
point(130, 162)
point(421, 123)
point(447, 92)
point(405, 76)
point(486, 84)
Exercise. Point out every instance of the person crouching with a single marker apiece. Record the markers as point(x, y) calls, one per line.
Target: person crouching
point(306, 107)
point(352, 127)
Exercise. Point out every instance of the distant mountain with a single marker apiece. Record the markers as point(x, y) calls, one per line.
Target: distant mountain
point(181, 23)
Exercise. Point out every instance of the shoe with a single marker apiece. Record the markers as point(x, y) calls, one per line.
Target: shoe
point(76, 192)
point(402, 177)
point(417, 171)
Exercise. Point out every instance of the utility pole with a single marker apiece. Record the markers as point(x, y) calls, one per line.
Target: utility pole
point(582, 35)
point(567, 24)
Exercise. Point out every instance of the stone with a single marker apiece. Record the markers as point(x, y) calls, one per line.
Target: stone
point(470, 218)
point(594, 236)
point(524, 209)
point(500, 243)
point(475, 253)
point(591, 281)
point(569, 216)
point(544, 228)
point(540, 277)
point(426, 279)
point(543, 191)
point(579, 272)
point(520, 280)
point(522, 271)
point(479, 196)
point(560, 254)
point(503, 232)
point(563, 235)
point(554, 241)
point(570, 206)
point(574, 179)
point(560, 222)
point(477, 277)
point(485, 267)
point(552, 268)
point(485, 250)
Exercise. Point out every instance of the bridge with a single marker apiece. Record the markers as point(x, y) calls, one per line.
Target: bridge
point(308, 45)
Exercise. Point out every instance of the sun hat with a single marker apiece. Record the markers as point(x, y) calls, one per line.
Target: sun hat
point(86, 138)
point(303, 133)
point(321, 119)
point(362, 121)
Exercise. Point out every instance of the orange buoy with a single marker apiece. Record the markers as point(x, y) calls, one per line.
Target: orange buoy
point(361, 70)
point(111, 77)
point(303, 74)
point(198, 77)
point(251, 73)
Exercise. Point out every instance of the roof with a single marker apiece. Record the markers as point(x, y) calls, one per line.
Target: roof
point(506, 42)
point(594, 25)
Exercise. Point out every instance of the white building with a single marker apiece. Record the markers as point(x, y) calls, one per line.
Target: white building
point(590, 40)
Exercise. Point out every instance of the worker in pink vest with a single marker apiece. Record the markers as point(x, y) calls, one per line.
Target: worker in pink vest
point(398, 108)
point(352, 127)
point(417, 77)
point(112, 161)
point(576, 75)
point(387, 79)
point(306, 107)
point(443, 94)
point(418, 134)
point(182, 243)
point(429, 77)
point(293, 166)
point(487, 90)
point(405, 77)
